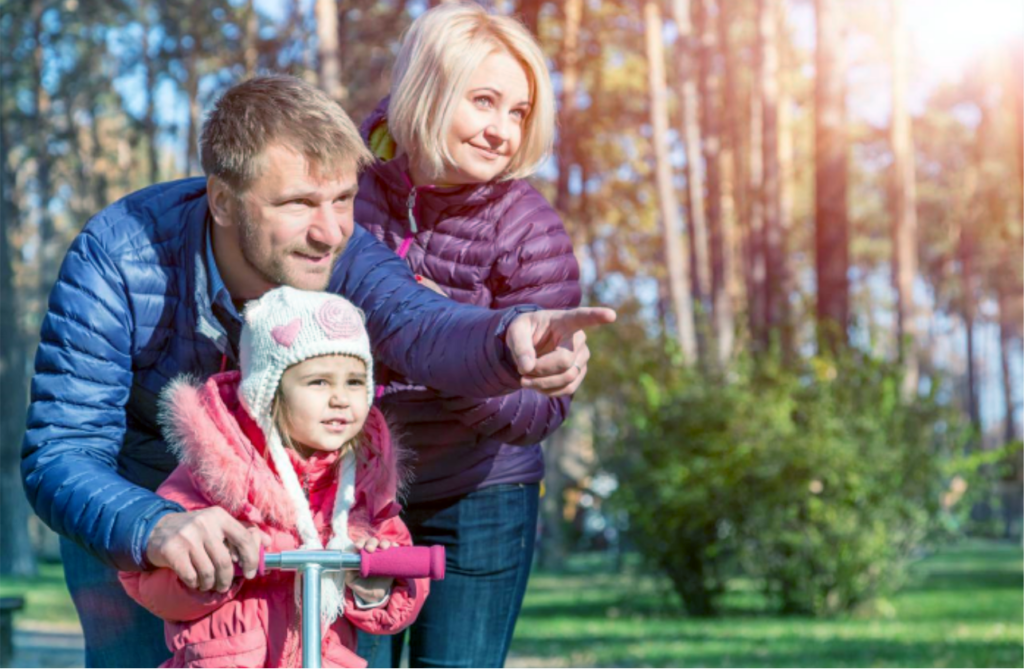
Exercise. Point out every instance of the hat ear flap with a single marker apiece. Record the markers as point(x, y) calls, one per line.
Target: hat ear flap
point(253, 310)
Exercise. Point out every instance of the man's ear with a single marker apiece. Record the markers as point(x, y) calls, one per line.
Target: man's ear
point(221, 201)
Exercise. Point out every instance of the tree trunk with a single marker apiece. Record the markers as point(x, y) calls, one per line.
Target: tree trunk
point(976, 212)
point(329, 69)
point(675, 246)
point(1005, 343)
point(774, 260)
point(99, 178)
point(251, 54)
point(687, 78)
point(16, 558)
point(732, 192)
point(41, 154)
point(723, 275)
point(569, 57)
point(192, 90)
point(551, 549)
point(904, 207)
point(787, 67)
point(80, 203)
point(754, 241)
point(529, 11)
point(1015, 87)
point(149, 119)
point(965, 254)
point(968, 211)
point(708, 237)
point(831, 227)
point(568, 461)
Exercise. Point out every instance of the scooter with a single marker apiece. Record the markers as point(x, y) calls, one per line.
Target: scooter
point(397, 562)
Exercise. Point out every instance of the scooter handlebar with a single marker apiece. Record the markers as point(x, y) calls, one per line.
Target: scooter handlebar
point(404, 562)
point(396, 562)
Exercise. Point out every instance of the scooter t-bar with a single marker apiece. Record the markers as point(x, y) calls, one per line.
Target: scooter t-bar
point(397, 562)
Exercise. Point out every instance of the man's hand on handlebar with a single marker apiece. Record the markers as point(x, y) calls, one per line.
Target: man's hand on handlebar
point(202, 547)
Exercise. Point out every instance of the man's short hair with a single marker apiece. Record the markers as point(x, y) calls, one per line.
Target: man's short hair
point(438, 56)
point(277, 108)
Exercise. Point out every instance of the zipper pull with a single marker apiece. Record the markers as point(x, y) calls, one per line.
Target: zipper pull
point(411, 204)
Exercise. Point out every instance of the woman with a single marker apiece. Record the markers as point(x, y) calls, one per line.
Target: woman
point(471, 113)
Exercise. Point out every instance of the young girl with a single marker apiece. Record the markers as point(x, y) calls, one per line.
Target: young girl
point(471, 113)
point(288, 445)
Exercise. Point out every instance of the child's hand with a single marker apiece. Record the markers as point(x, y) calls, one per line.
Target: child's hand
point(370, 544)
point(375, 588)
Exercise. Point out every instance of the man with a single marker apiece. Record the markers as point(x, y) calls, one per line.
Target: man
point(153, 288)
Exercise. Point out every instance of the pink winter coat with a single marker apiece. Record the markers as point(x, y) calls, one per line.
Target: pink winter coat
point(257, 622)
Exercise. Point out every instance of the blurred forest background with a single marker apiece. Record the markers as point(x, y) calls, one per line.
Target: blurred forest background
point(808, 214)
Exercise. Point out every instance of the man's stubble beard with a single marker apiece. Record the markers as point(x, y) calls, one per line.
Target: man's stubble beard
point(273, 269)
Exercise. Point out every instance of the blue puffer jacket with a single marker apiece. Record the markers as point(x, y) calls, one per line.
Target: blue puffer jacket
point(131, 310)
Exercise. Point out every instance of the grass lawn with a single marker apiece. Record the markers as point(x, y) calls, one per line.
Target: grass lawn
point(47, 601)
point(965, 607)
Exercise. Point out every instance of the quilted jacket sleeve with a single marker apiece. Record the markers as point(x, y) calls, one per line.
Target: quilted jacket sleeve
point(539, 268)
point(457, 348)
point(76, 420)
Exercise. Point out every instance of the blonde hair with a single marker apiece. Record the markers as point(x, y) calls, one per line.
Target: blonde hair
point(277, 108)
point(439, 53)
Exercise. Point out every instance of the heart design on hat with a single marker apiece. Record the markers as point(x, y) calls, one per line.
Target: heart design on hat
point(285, 334)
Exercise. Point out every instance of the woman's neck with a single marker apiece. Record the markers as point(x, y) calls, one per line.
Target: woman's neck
point(421, 178)
point(418, 175)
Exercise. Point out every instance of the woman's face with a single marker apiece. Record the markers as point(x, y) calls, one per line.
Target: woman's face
point(325, 403)
point(489, 121)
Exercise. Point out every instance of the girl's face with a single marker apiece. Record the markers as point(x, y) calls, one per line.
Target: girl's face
point(324, 402)
point(489, 121)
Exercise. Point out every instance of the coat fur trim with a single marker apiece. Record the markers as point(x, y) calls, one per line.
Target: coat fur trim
point(223, 449)
point(204, 425)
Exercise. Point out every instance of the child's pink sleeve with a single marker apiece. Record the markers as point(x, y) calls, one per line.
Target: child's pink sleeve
point(160, 591)
point(407, 595)
point(163, 594)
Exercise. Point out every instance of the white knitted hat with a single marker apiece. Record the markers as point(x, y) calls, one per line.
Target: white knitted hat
point(283, 328)
point(287, 326)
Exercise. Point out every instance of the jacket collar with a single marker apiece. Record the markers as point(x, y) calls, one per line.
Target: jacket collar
point(207, 324)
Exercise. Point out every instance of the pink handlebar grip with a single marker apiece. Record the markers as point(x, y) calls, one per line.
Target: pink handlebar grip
point(404, 562)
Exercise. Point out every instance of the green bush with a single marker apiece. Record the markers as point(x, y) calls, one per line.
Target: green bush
point(817, 479)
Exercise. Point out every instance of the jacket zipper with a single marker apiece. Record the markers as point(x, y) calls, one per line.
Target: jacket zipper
point(410, 203)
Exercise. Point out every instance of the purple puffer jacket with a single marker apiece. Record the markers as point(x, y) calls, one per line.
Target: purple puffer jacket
point(492, 245)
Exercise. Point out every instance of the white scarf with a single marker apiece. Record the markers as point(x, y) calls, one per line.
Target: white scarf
point(332, 584)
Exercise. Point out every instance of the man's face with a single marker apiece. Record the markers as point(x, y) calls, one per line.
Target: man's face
point(293, 222)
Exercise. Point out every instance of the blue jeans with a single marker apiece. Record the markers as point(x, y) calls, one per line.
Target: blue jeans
point(118, 632)
point(469, 617)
